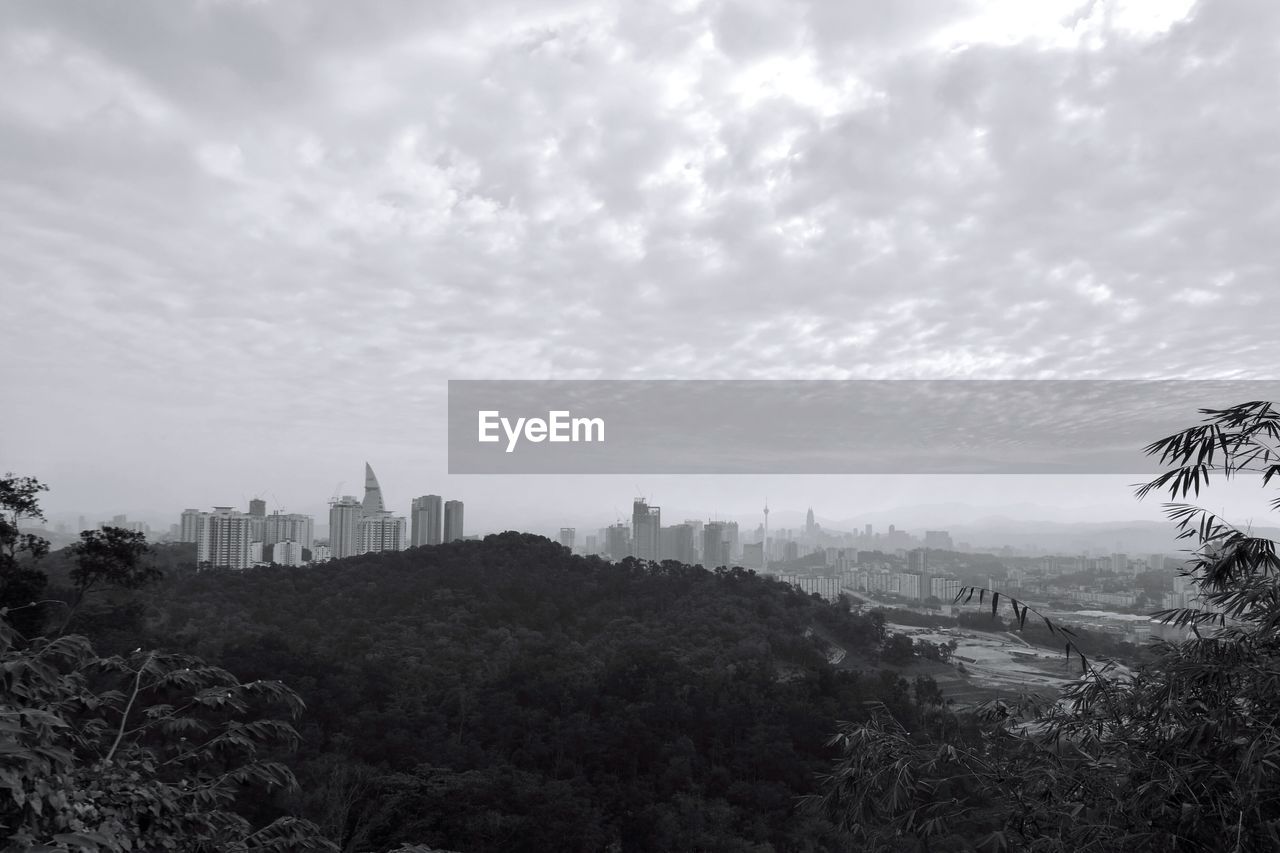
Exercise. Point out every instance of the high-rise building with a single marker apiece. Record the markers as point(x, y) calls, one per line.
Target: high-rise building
point(735, 541)
point(378, 532)
point(225, 539)
point(695, 525)
point(917, 560)
point(372, 493)
point(567, 535)
point(677, 543)
point(258, 521)
point(426, 517)
point(810, 526)
point(939, 539)
point(286, 553)
point(715, 545)
point(189, 526)
point(646, 524)
point(944, 589)
point(909, 585)
point(289, 527)
point(764, 539)
point(344, 520)
point(828, 587)
point(452, 521)
point(617, 541)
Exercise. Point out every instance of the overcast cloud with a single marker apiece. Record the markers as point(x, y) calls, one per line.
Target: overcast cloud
point(243, 245)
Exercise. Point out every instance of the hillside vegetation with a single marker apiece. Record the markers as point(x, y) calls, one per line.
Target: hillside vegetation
point(503, 695)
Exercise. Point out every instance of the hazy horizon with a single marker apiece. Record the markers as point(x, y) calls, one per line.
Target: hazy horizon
point(911, 502)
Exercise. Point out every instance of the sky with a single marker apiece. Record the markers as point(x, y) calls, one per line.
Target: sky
point(245, 243)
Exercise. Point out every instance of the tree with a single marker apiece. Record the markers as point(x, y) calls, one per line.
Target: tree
point(21, 584)
point(110, 557)
point(1182, 753)
point(147, 752)
point(898, 649)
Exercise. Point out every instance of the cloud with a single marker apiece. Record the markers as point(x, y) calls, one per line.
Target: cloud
point(257, 223)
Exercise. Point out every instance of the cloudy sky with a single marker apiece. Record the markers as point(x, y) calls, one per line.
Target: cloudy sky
point(244, 243)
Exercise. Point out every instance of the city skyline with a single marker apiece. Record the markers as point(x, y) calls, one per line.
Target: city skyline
point(869, 531)
point(943, 501)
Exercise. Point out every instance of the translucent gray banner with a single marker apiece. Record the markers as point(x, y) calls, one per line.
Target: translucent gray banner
point(825, 427)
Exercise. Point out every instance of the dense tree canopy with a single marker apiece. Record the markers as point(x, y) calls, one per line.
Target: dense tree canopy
point(508, 696)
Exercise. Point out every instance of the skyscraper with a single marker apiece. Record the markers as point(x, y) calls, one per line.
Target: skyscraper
point(646, 523)
point(426, 517)
point(189, 526)
point(286, 553)
point(617, 541)
point(258, 520)
point(939, 539)
point(732, 537)
point(378, 532)
point(764, 551)
point(344, 519)
point(567, 535)
point(452, 521)
point(225, 539)
point(715, 545)
point(809, 524)
point(289, 527)
point(678, 544)
point(372, 493)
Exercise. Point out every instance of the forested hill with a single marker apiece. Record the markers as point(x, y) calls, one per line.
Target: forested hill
point(504, 695)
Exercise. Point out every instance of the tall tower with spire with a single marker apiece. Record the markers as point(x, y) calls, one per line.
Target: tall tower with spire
point(372, 493)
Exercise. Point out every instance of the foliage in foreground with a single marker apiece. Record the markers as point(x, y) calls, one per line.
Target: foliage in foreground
point(145, 752)
point(1181, 754)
